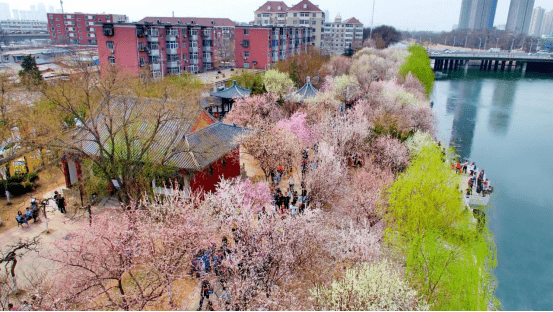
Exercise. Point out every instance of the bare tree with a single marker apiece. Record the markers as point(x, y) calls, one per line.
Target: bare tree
point(224, 50)
point(15, 251)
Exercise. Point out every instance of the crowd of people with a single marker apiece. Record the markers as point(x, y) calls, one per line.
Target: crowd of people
point(478, 183)
point(32, 212)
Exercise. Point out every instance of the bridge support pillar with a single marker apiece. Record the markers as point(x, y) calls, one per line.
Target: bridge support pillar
point(511, 66)
point(524, 65)
point(495, 65)
point(490, 62)
point(446, 63)
point(503, 63)
point(482, 62)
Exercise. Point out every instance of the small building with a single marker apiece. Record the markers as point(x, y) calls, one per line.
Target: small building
point(201, 149)
point(226, 98)
point(78, 28)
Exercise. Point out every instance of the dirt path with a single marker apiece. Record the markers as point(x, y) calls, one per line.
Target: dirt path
point(49, 180)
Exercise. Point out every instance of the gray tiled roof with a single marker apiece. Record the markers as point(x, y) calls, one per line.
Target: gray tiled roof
point(174, 144)
point(213, 142)
point(307, 90)
point(234, 91)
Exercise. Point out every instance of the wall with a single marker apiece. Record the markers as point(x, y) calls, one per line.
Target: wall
point(207, 182)
point(125, 43)
point(258, 49)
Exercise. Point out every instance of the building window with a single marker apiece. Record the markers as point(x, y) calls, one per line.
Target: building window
point(305, 6)
point(111, 59)
point(78, 19)
point(295, 14)
point(265, 22)
point(110, 45)
point(314, 23)
point(140, 46)
point(266, 14)
point(246, 31)
point(258, 15)
point(57, 19)
point(314, 14)
point(246, 53)
point(59, 31)
point(184, 44)
point(99, 20)
point(57, 25)
point(246, 65)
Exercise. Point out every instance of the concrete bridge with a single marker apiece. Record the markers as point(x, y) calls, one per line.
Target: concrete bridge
point(486, 61)
point(20, 37)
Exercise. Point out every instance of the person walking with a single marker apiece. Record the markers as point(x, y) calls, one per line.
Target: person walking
point(291, 182)
point(205, 291)
point(61, 203)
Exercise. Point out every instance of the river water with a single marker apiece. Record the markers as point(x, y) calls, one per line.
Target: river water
point(504, 123)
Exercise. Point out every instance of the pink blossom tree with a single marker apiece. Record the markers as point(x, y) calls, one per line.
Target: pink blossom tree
point(255, 111)
point(297, 124)
point(389, 153)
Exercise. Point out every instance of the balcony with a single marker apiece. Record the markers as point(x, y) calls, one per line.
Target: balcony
point(172, 51)
point(193, 49)
point(206, 48)
point(153, 39)
point(274, 59)
point(194, 62)
point(173, 64)
point(206, 37)
point(155, 66)
point(172, 37)
point(193, 38)
point(154, 52)
point(274, 48)
point(207, 59)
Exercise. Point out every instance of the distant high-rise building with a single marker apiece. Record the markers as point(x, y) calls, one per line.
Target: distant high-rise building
point(327, 16)
point(548, 24)
point(23, 15)
point(15, 14)
point(477, 14)
point(5, 11)
point(41, 12)
point(51, 9)
point(536, 24)
point(520, 13)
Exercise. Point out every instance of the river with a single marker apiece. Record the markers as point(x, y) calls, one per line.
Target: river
point(504, 123)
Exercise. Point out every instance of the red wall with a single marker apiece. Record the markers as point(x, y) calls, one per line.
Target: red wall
point(205, 182)
point(125, 44)
point(79, 24)
point(259, 47)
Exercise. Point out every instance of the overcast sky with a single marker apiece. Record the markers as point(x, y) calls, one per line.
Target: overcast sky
point(434, 15)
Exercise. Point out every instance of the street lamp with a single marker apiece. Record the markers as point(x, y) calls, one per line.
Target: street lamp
point(485, 43)
point(466, 38)
point(480, 45)
point(372, 21)
point(445, 42)
point(531, 44)
point(454, 38)
point(512, 44)
point(497, 43)
point(522, 46)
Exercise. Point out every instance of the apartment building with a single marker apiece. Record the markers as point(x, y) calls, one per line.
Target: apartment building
point(78, 28)
point(160, 48)
point(340, 35)
point(263, 46)
point(23, 26)
point(271, 13)
point(303, 14)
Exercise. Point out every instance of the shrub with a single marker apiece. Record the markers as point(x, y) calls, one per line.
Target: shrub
point(32, 176)
point(371, 287)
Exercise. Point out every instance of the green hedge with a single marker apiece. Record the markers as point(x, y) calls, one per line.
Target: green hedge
point(19, 184)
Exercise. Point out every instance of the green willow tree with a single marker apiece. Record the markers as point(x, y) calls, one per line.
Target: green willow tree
point(418, 63)
point(448, 257)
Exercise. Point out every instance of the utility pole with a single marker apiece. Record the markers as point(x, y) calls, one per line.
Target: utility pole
point(485, 42)
point(480, 45)
point(372, 22)
point(522, 46)
point(454, 39)
point(61, 2)
point(497, 43)
point(466, 38)
point(512, 44)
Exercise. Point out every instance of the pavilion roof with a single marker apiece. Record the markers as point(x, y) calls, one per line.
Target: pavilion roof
point(234, 91)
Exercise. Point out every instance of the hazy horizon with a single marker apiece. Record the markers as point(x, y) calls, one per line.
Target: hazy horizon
point(421, 15)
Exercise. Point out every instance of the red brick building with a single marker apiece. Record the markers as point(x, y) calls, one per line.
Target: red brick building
point(261, 46)
point(78, 28)
point(164, 47)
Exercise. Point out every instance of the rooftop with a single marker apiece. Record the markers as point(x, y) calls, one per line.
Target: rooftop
point(352, 20)
point(305, 6)
point(273, 7)
point(202, 21)
point(234, 91)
